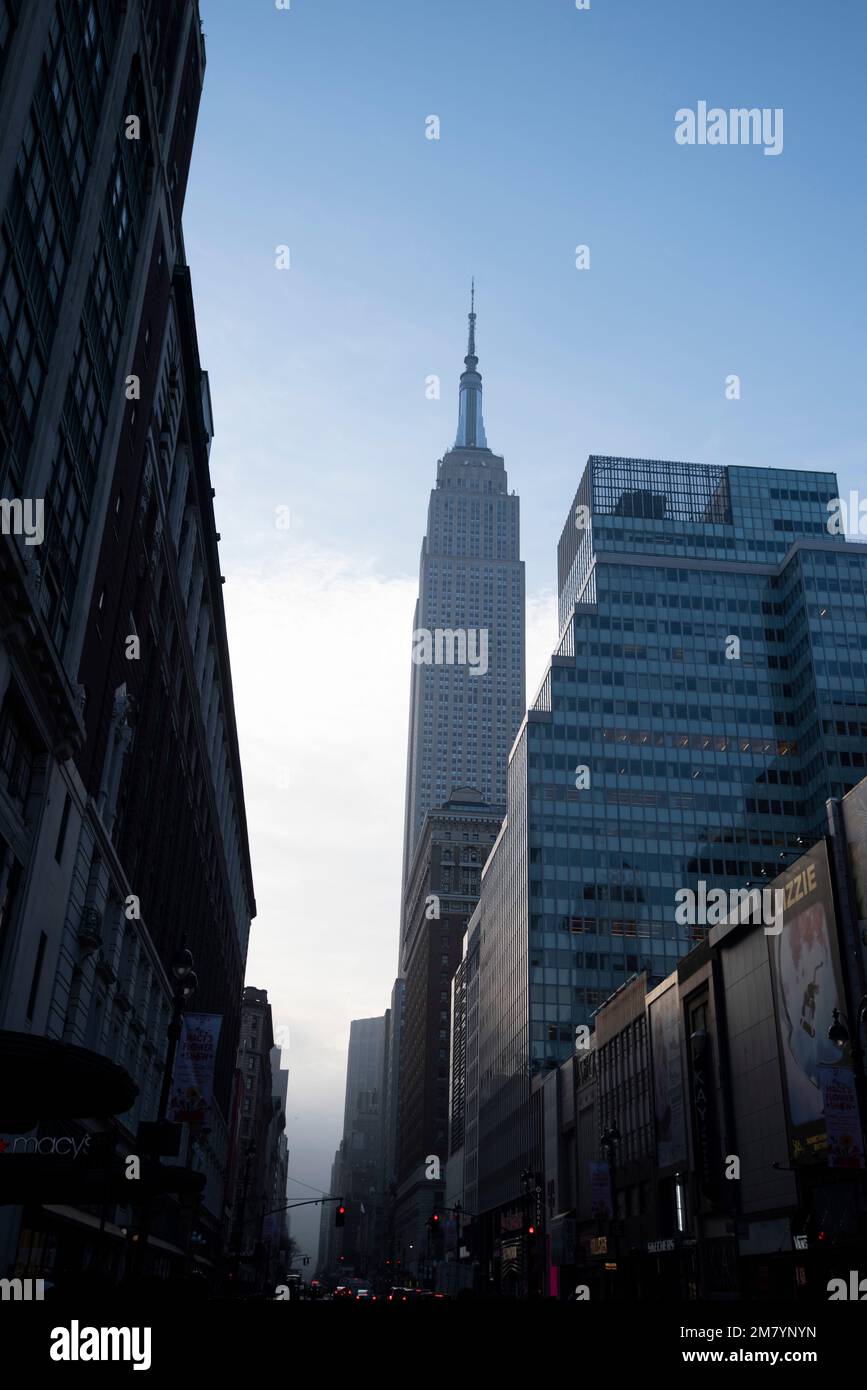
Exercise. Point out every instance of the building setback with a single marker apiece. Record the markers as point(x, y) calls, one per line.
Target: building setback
point(122, 835)
point(705, 699)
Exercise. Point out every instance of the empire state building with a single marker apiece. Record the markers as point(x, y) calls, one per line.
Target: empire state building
point(468, 672)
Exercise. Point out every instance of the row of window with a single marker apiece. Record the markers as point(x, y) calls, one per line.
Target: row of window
point(44, 205)
point(89, 388)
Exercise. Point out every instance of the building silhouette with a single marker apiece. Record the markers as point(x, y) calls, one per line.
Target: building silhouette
point(123, 836)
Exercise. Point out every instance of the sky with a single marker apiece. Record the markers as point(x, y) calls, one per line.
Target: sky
point(556, 130)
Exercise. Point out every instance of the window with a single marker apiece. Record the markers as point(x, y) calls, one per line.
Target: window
point(699, 1018)
point(61, 834)
point(37, 972)
point(17, 751)
point(10, 878)
point(94, 360)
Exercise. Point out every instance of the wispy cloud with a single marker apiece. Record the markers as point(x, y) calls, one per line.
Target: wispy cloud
point(320, 648)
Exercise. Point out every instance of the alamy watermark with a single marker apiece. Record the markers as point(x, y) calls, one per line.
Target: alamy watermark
point(737, 126)
point(22, 1290)
point(447, 646)
point(77, 1343)
point(855, 1290)
point(760, 906)
point(848, 516)
point(23, 517)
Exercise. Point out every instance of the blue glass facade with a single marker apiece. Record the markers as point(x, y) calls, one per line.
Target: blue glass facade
point(706, 697)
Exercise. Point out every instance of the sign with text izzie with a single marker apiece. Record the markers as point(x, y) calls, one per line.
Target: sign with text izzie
point(807, 983)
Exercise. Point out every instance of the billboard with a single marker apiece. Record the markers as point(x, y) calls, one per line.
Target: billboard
point(668, 1094)
point(808, 985)
point(854, 806)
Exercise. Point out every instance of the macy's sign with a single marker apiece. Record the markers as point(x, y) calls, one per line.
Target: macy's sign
point(62, 1144)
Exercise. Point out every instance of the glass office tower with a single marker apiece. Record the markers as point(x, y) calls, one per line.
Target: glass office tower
point(706, 697)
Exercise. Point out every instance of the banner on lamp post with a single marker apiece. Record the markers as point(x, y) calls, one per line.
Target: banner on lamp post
point(193, 1078)
point(842, 1117)
point(600, 1190)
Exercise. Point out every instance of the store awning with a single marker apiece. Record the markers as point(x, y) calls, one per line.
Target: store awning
point(44, 1079)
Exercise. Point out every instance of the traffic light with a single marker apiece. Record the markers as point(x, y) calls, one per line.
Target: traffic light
point(340, 1214)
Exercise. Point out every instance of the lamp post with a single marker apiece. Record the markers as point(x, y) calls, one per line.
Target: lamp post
point(531, 1185)
point(839, 1034)
point(185, 988)
point(608, 1141)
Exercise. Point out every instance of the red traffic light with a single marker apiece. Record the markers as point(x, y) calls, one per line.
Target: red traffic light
point(340, 1215)
point(531, 1230)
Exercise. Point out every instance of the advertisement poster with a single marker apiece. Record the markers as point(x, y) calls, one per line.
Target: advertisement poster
point(668, 1098)
point(600, 1190)
point(854, 806)
point(845, 1145)
point(807, 985)
point(193, 1078)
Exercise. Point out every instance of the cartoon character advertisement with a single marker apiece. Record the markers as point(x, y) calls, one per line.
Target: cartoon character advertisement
point(808, 987)
point(854, 806)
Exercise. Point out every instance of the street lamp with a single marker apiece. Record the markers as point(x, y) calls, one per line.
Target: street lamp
point(182, 963)
point(608, 1141)
point(181, 969)
point(187, 983)
point(838, 1033)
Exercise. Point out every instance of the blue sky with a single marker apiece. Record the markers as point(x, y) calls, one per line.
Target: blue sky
point(556, 128)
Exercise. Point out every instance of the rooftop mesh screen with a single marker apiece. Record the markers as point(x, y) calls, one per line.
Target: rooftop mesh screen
point(660, 491)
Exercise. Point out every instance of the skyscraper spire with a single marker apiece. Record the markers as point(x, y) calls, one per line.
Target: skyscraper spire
point(471, 428)
point(471, 346)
